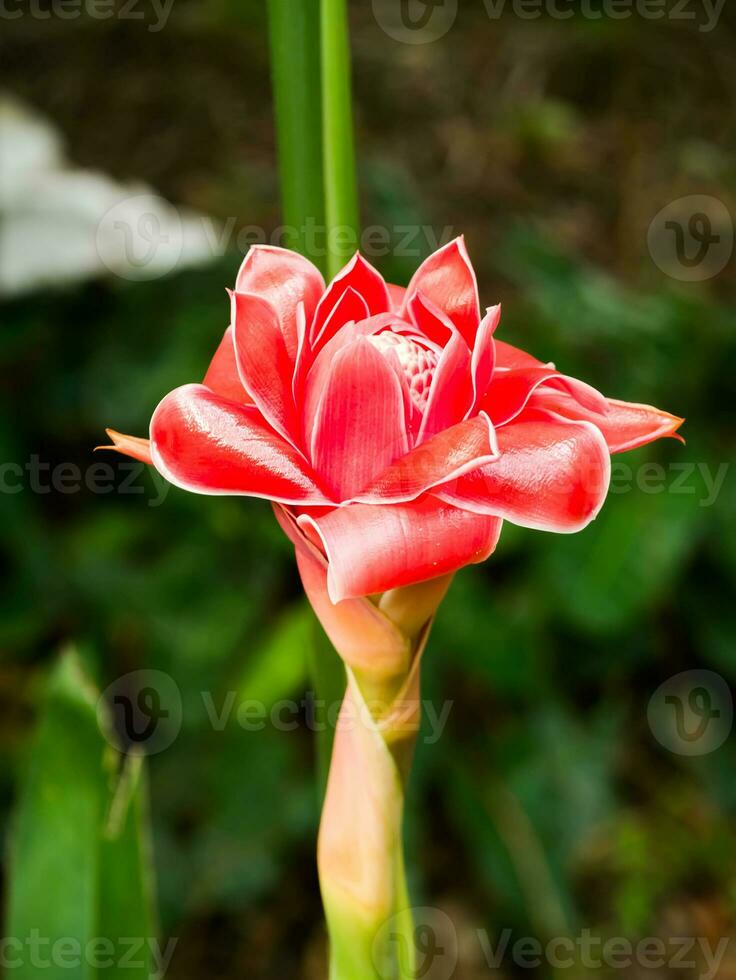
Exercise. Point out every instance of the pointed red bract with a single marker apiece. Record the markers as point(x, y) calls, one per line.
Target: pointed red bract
point(483, 362)
point(447, 279)
point(625, 425)
point(363, 279)
point(350, 307)
point(430, 321)
point(285, 279)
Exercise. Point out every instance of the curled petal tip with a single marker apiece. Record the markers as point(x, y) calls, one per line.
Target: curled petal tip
point(134, 446)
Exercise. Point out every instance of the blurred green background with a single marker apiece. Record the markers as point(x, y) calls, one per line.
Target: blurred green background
point(547, 806)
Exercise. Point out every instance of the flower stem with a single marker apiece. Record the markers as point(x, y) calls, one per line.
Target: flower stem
point(341, 198)
point(295, 68)
point(360, 853)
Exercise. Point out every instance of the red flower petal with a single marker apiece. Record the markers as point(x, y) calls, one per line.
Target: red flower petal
point(360, 276)
point(207, 444)
point(373, 549)
point(318, 373)
point(359, 425)
point(429, 319)
point(552, 474)
point(484, 354)
point(222, 375)
point(511, 389)
point(508, 356)
point(263, 362)
point(446, 456)
point(285, 279)
point(625, 425)
point(350, 306)
point(447, 279)
point(396, 296)
point(451, 390)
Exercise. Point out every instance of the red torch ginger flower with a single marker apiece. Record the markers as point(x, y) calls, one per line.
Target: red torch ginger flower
point(389, 426)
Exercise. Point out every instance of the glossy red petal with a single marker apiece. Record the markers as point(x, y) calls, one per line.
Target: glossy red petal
point(318, 372)
point(448, 280)
point(350, 306)
point(359, 425)
point(430, 321)
point(374, 549)
point(396, 295)
point(552, 474)
point(484, 354)
point(511, 389)
point(132, 446)
point(366, 281)
point(451, 391)
point(508, 356)
point(207, 444)
point(263, 362)
point(222, 375)
point(448, 455)
point(285, 279)
point(625, 425)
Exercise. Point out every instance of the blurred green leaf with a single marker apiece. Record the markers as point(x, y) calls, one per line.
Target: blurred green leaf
point(81, 879)
point(126, 887)
point(55, 865)
point(279, 667)
point(603, 578)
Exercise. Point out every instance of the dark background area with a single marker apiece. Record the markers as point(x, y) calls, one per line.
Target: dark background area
point(547, 805)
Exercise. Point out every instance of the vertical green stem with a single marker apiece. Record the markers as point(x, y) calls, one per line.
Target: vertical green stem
point(341, 197)
point(294, 28)
point(295, 68)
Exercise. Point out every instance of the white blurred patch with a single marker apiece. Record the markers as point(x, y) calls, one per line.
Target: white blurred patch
point(61, 225)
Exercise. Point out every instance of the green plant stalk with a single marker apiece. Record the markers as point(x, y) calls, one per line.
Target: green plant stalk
point(341, 196)
point(294, 30)
point(295, 69)
point(360, 852)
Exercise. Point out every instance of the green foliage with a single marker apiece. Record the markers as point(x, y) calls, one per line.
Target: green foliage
point(80, 874)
